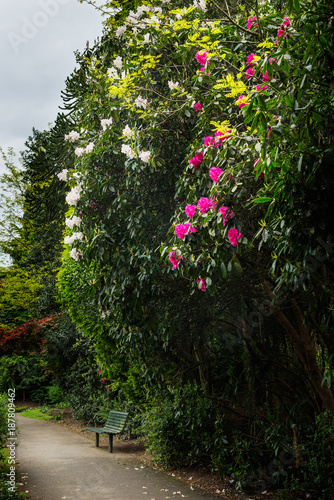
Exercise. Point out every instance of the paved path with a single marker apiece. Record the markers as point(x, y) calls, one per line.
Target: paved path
point(60, 464)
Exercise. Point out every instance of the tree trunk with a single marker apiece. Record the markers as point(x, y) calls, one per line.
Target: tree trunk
point(306, 352)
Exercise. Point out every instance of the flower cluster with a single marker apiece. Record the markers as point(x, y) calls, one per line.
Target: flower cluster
point(196, 160)
point(284, 27)
point(76, 254)
point(62, 176)
point(73, 196)
point(140, 102)
point(181, 230)
point(234, 236)
point(74, 221)
point(105, 123)
point(69, 240)
point(174, 260)
point(72, 136)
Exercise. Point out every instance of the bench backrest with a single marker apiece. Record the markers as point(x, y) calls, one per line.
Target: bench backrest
point(116, 421)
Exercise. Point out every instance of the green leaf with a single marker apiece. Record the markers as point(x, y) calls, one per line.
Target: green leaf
point(263, 199)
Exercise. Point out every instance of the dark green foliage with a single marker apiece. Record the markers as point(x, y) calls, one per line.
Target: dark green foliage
point(180, 428)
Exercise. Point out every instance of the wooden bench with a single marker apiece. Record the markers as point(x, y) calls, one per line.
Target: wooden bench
point(115, 424)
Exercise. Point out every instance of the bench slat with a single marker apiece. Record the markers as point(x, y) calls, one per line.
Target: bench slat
point(115, 424)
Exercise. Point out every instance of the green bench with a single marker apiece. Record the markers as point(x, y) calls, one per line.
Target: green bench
point(115, 424)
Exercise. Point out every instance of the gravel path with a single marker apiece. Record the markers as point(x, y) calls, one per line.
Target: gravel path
point(57, 464)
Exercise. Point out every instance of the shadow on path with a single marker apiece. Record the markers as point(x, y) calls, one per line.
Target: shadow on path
point(60, 464)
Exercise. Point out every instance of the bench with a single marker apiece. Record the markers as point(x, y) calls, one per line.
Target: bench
point(115, 424)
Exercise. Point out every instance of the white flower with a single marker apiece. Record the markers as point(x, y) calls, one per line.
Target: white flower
point(69, 240)
point(73, 196)
point(89, 147)
point(145, 156)
point(128, 151)
point(142, 9)
point(173, 85)
point(75, 254)
point(157, 9)
point(146, 38)
point(112, 73)
point(79, 151)
point(140, 102)
point(128, 132)
point(72, 136)
point(105, 314)
point(75, 221)
point(105, 123)
point(153, 20)
point(200, 4)
point(62, 176)
point(120, 31)
point(118, 62)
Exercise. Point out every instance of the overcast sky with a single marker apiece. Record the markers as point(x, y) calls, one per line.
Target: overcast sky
point(38, 40)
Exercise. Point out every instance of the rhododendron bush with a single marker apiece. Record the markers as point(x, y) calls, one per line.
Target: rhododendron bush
point(201, 140)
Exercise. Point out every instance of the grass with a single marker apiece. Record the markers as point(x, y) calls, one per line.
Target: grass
point(36, 413)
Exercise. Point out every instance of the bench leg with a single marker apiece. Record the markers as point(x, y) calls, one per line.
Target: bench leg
point(97, 439)
point(110, 443)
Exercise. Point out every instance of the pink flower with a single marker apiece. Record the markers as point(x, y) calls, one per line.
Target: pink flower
point(103, 380)
point(287, 22)
point(227, 214)
point(201, 56)
point(249, 72)
point(174, 260)
point(261, 87)
point(182, 230)
point(265, 77)
point(241, 102)
point(272, 59)
point(234, 236)
point(280, 32)
point(250, 22)
point(250, 59)
point(222, 136)
point(198, 107)
point(100, 371)
point(284, 26)
point(204, 204)
point(196, 160)
point(190, 211)
point(202, 69)
point(209, 141)
point(214, 173)
point(202, 282)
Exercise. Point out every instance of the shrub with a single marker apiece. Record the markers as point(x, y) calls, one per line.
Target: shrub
point(180, 427)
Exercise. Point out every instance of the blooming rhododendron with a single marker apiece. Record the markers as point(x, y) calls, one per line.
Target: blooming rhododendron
point(204, 204)
point(284, 26)
point(140, 102)
point(62, 176)
point(223, 135)
point(105, 123)
point(145, 156)
point(118, 62)
point(209, 141)
point(251, 22)
point(242, 101)
point(128, 132)
point(75, 254)
point(79, 152)
point(182, 230)
point(265, 77)
point(128, 151)
point(198, 107)
point(201, 56)
point(190, 211)
point(227, 214)
point(252, 58)
point(234, 236)
point(196, 160)
point(214, 173)
point(72, 136)
point(202, 284)
point(250, 72)
point(74, 221)
point(261, 87)
point(174, 260)
point(73, 196)
point(89, 148)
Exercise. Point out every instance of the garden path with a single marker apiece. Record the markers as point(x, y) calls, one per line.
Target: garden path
point(57, 464)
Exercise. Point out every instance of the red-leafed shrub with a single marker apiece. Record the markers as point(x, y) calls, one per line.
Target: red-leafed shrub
point(29, 337)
